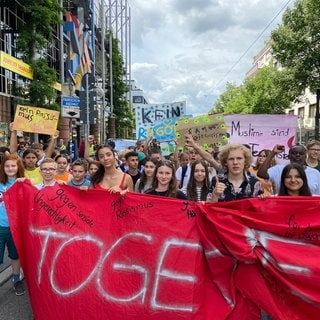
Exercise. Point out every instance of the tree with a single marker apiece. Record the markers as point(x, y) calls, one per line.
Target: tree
point(296, 45)
point(231, 101)
point(122, 110)
point(269, 92)
point(34, 37)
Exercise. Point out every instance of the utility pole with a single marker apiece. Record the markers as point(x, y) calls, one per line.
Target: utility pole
point(111, 120)
point(103, 57)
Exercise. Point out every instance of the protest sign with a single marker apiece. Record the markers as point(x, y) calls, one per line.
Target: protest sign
point(148, 114)
point(263, 131)
point(167, 147)
point(164, 130)
point(96, 255)
point(37, 120)
point(206, 130)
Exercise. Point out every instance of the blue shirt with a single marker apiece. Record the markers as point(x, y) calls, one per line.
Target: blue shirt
point(4, 222)
point(85, 183)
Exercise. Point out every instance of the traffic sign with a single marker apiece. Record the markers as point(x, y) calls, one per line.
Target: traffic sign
point(70, 107)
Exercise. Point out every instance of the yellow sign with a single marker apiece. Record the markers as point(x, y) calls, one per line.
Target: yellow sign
point(15, 65)
point(37, 120)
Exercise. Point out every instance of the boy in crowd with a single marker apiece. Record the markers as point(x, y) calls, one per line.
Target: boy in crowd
point(133, 162)
point(79, 170)
point(48, 169)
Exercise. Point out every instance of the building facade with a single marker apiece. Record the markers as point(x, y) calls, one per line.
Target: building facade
point(303, 106)
point(77, 56)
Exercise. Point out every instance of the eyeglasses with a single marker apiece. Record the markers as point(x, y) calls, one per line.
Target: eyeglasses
point(313, 149)
point(48, 169)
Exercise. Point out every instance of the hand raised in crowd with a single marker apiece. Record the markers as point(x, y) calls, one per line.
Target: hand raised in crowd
point(189, 140)
point(90, 138)
point(55, 135)
point(278, 149)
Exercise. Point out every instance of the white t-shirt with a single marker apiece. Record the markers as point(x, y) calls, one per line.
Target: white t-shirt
point(313, 177)
point(186, 177)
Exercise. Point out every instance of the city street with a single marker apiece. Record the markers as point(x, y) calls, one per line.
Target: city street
point(12, 307)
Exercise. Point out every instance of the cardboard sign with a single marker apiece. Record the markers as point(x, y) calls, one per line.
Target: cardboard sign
point(205, 130)
point(37, 120)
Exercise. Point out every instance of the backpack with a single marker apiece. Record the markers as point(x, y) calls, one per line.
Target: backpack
point(184, 170)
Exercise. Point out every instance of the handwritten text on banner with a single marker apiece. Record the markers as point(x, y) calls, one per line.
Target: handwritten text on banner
point(161, 258)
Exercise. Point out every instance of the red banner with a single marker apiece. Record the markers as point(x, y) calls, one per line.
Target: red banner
point(93, 255)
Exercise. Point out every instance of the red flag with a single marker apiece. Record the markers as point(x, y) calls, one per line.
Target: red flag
point(93, 255)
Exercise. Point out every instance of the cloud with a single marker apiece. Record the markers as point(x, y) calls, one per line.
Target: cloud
point(189, 50)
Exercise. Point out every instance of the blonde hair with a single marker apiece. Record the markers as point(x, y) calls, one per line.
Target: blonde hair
point(224, 154)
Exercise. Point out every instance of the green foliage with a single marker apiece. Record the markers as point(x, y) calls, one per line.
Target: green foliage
point(296, 43)
point(41, 88)
point(269, 92)
point(121, 107)
point(34, 36)
point(41, 16)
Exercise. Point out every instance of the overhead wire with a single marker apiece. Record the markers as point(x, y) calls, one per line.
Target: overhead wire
point(252, 44)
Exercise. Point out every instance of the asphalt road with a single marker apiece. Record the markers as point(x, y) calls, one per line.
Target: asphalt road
point(12, 307)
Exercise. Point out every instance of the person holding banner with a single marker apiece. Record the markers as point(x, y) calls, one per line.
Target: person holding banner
point(108, 176)
point(297, 154)
point(11, 170)
point(48, 169)
point(237, 182)
point(294, 181)
point(165, 182)
point(198, 184)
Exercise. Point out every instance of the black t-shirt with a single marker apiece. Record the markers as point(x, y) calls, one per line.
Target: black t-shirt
point(135, 178)
point(180, 194)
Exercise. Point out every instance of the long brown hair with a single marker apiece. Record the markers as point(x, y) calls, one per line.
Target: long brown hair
point(305, 190)
point(173, 186)
point(13, 157)
point(192, 185)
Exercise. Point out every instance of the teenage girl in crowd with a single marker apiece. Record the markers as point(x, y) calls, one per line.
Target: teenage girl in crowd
point(268, 187)
point(108, 177)
point(165, 182)
point(144, 183)
point(62, 173)
point(11, 169)
point(294, 181)
point(92, 168)
point(31, 170)
point(198, 185)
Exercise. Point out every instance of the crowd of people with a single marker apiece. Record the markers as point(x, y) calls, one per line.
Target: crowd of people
point(190, 173)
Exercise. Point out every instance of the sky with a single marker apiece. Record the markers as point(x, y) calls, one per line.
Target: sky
point(187, 50)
